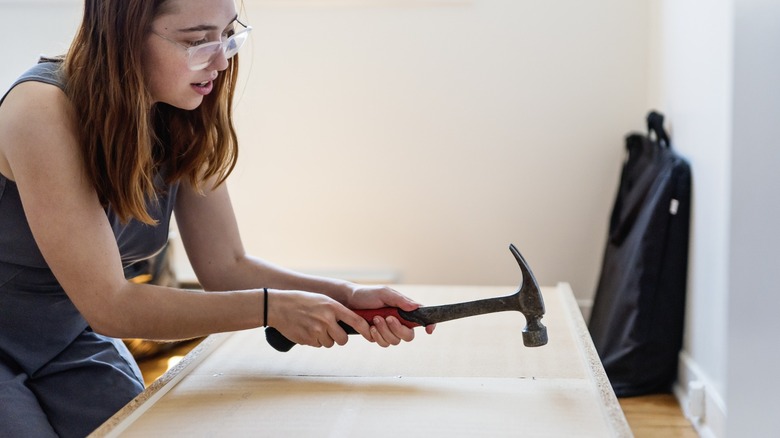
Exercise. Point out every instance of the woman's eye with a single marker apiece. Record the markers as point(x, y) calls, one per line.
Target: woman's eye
point(198, 42)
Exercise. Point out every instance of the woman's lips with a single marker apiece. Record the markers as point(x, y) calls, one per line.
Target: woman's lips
point(203, 88)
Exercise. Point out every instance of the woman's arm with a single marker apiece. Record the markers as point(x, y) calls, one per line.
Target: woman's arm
point(38, 141)
point(40, 151)
point(211, 238)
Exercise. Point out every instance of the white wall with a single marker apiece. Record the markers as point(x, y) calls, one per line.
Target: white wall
point(420, 138)
point(692, 84)
point(423, 137)
point(715, 75)
point(753, 356)
point(31, 28)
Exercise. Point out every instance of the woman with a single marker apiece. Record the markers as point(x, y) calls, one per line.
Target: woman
point(96, 152)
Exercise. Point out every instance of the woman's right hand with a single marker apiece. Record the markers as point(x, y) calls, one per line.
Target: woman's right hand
point(312, 319)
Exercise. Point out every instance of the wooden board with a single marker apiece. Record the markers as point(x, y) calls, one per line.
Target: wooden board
point(472, 376)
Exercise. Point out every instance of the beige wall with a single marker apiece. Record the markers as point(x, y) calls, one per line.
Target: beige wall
point(420, 138)
point(414, 140)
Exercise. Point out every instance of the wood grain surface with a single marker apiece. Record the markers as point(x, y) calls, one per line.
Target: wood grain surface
point(472, 376)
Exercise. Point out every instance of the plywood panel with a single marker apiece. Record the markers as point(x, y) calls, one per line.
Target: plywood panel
point(379, 406)
point(472, 376)
point(488, 345)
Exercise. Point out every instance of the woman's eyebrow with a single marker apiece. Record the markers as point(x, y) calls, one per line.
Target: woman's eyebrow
point(205, 27)
point(199, 28)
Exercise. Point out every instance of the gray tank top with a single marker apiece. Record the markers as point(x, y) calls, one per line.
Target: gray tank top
point(37, 319)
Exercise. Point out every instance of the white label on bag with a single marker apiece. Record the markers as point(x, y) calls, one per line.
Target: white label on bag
point(673, 206)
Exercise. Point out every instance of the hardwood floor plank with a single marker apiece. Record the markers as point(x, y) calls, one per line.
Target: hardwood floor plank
point(656, 416)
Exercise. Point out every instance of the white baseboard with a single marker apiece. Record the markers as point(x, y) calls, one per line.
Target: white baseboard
point(711, 423)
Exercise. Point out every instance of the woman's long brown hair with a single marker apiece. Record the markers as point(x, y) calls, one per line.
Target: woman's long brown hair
point(126, 139)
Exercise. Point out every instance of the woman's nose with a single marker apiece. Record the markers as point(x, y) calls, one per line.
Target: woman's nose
point(219, 62)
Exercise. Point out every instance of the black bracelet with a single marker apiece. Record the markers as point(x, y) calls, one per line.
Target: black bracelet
point(265, 307)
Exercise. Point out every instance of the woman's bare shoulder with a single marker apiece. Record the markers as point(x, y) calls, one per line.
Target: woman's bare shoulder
point(37, 121)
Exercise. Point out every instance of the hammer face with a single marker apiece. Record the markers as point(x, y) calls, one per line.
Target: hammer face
point(535, 334)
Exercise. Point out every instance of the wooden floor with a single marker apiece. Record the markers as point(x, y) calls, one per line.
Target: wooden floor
point(653, 416)
point(656, 416)
point(155, 366)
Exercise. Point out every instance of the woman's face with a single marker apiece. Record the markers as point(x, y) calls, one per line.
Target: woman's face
point(184, 24)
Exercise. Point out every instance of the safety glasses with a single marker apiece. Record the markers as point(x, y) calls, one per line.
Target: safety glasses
point(200, 56)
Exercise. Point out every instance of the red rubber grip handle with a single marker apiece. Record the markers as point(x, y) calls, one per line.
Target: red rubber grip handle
point(277, 340)
point(384, 312)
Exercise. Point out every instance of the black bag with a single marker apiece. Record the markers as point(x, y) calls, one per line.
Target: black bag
point(638, 310)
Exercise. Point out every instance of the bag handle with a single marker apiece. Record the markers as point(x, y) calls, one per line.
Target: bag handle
point(655, 124)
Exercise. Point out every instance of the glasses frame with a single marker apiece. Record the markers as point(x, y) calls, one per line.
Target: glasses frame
point(223, 45)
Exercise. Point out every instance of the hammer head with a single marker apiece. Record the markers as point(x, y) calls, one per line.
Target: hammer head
point(531, 304)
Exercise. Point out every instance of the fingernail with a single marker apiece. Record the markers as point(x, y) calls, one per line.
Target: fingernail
point(377, 320)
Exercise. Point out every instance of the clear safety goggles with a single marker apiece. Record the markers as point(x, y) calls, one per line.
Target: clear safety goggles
point(200, 56)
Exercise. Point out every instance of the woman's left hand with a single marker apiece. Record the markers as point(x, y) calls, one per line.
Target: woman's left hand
point(385, 331)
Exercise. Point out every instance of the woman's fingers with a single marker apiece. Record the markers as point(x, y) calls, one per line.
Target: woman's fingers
point(390, 331)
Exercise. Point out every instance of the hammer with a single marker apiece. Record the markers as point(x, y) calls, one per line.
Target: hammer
point(527, 300)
